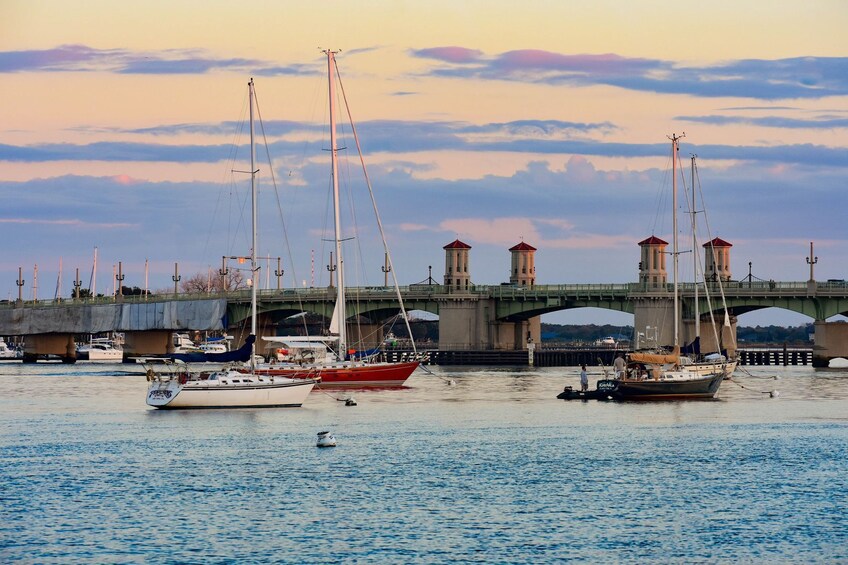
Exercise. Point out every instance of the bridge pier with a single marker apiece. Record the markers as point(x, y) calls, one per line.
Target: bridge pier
point(60, 344)
point(831, 341)
point(468, 322)
point(148, 342)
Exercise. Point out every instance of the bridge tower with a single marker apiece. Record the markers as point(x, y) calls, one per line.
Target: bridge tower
point(652, 273)
point(457, 276)
point(717, 260)
point(523, 269)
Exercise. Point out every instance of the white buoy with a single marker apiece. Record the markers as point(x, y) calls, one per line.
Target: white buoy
point(326, 439)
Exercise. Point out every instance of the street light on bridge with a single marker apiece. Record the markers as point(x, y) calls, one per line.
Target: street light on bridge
point(812, 261)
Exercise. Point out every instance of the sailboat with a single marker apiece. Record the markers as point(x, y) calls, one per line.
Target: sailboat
point(693, 359)
point(666, 376)
point(179, 387)
point(337, 368)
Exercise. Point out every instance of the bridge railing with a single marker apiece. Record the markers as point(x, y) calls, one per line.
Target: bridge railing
point(833, 287)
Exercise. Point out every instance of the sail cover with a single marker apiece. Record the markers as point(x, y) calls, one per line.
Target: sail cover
point(657, 358)
point(239, 355)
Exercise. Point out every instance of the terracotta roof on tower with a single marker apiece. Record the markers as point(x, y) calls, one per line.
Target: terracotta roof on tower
point(456, 244)
point(522, 247)
point(717, 242)
point(653, 240)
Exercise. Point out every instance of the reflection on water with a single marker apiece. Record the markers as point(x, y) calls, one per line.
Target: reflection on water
point(493, 469)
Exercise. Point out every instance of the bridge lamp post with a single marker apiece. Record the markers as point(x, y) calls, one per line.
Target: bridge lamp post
point(20, 283)
point(332, 268)
point(812, 261)
point(223, 271)
point(77, 285)
point(119, 278)
point(279, 272)
point(386, 270)
point(176, 277)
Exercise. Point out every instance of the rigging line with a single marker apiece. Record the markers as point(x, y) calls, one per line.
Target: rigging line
point(358, 266)
point(376, 213)
point(226, 181)
point(699, 265)
point(279, 204)
point(661, 198)
point(726, 321)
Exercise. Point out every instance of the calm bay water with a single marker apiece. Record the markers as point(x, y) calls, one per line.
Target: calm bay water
point(492, 470)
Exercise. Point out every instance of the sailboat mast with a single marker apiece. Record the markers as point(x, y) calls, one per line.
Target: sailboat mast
point(93, 285)
point(675, 253)
point(695, 255)
point(339, 313)
point(253, 225)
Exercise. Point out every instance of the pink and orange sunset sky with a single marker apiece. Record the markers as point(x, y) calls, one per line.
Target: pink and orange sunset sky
point(488, 121)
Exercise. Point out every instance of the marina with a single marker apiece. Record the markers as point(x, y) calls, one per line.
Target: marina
point(479, 283)
point(492, 469)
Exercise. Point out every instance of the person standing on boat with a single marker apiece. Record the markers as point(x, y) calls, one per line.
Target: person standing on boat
point(619, 365)
point(584, 378)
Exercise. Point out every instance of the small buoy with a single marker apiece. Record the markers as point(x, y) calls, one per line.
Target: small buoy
point(350, 402)
point(326, 439)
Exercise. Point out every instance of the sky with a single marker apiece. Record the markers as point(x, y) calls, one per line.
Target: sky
point(493, 122)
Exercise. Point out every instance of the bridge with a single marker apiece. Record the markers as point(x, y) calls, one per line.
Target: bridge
point(494, 317)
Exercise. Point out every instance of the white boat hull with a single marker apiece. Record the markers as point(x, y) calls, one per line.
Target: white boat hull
point(170, 394)
point(105, 355)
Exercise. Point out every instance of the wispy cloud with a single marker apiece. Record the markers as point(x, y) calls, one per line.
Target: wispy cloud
point(825, 122)
point(82, 58)
point(548, 137)
point(75, 223)
point(449, 54)
point(798, 77)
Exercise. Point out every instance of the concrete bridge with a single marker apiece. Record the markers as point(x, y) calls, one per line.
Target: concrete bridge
point(499, 317)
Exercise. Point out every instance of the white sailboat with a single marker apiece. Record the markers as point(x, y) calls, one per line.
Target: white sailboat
point(179, 387)
point(695, 360)
point(336, 369)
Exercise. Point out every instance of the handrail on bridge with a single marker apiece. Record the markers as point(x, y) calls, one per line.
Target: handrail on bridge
point(830, 287)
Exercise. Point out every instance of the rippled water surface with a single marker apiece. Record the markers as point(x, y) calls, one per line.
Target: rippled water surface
point(491, 470)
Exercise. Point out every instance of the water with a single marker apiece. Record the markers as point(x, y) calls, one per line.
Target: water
point(492, 470)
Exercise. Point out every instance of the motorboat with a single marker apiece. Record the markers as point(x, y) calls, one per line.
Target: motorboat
point(100, 349)
point(7, 353)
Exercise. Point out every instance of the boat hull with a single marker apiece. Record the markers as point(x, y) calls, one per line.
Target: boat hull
point(115, 355)
point(705, 369)
point(354, 375)
point(174, 395)
point(704, 387)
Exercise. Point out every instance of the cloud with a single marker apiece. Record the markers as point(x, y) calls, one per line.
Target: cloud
point(824, 122)
point(74, 223)
point(799, 77)
point(543, 137)
point(448, 54)
point(81, 58)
